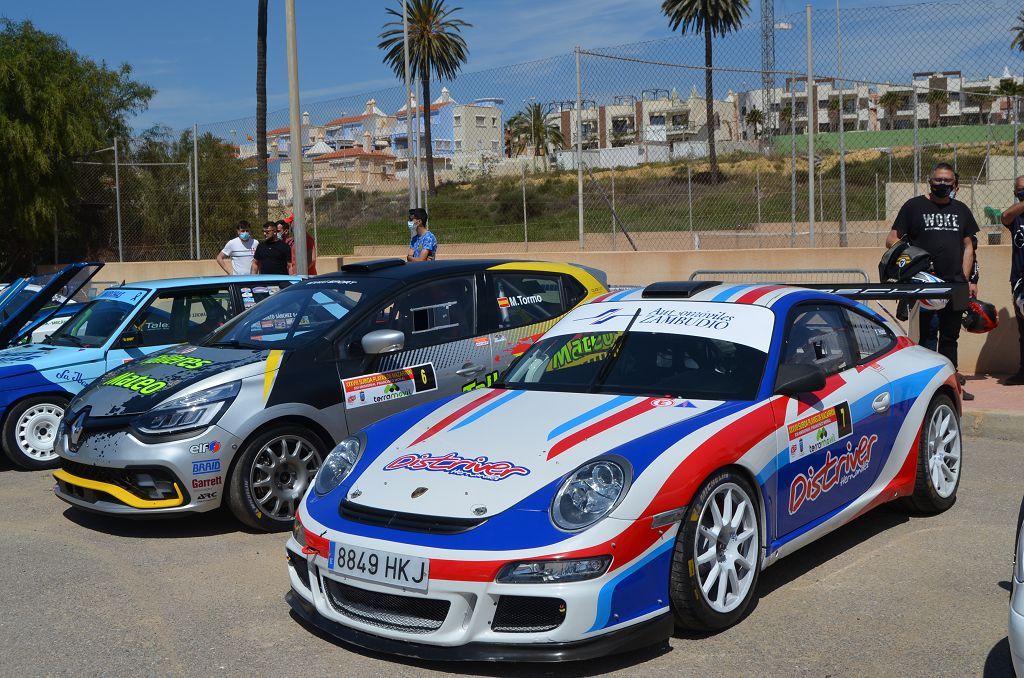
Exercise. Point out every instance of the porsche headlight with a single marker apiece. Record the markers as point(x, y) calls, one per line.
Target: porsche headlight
point(588, 495)
point(187, 413)
point(338, 465)
point(553, 571)
point(299, 532)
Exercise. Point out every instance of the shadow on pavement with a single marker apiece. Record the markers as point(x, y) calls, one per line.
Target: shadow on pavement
point(590, 667)
point(997, 663)
point(178, 527)
point(828, 547)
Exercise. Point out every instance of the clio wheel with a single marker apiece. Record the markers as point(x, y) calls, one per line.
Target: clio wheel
point(272, 474)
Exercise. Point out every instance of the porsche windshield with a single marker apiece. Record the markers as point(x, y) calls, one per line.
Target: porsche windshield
point(296, 316)
point(641, 363)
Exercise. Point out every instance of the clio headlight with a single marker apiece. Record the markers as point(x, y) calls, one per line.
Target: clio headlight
point(338, 465)
point(588, 495)
point(188, 413)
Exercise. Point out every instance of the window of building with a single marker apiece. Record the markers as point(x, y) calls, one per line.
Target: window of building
point(458, 121)
point(480, 121)
point(494, 121)
point(458, 144)
point(494, 146)
point(657, 119)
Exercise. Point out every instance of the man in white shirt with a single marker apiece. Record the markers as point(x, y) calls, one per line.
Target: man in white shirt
point(239, 250)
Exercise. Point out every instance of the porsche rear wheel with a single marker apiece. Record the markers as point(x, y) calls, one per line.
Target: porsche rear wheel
point(717, 556)
point(939, 458)
point(30, 430)
point(271, 475)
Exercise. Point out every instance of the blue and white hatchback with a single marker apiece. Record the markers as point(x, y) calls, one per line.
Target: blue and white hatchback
point(119, 325)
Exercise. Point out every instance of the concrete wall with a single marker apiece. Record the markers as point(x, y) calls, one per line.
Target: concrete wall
point(994, 353)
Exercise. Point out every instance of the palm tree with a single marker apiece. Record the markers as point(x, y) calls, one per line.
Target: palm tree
point(261, 106)
point(1009, 90)
point(435, 47)
point(890, 103)
point(755, 118)
point(712, 18)
point(935, 99)
point(785, 119)
point(1018, 33)
point(530, 128)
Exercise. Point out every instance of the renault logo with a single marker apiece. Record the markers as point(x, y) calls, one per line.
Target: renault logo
point(418, 492)
point(75, 433)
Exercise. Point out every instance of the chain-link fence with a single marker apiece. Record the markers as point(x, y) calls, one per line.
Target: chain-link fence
point(610, 148)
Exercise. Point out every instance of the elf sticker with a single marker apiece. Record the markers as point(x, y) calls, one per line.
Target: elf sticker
point(819, 430)
point(371, 389)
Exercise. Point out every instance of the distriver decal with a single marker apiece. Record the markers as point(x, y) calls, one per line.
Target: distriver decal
point(834, 470)
point(453, 464)
point(818, 431)
point(370, 389)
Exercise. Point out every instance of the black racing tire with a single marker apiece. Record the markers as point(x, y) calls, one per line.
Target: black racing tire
point(939, 458)
point(699, 600)
point(271, 475)
point(30, 430)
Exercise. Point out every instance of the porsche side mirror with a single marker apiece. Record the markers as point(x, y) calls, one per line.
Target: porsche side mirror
point(383, 341)
point(794, 378)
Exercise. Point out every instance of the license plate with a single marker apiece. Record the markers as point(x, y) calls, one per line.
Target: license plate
point(407, 572)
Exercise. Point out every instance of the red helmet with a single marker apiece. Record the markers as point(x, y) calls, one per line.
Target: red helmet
point(980, 317)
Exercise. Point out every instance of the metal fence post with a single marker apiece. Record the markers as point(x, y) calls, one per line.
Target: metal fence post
point(614, 245)
point(1016, 124)
point(689, 205)
point(191, 223)
point(917, 143)
point(843, 242)
point(195, 177)
point(812, 122)
point(579, 146)
point(757, 190)
point(792, 162)
point(876, 196)
point(526, 237)
point(408, 105)
point(117, 200)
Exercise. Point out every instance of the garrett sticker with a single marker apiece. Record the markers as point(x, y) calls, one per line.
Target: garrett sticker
point(819, 430)
point(370, 389)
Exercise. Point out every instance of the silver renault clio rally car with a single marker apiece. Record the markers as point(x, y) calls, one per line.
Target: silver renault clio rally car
point(245, 417)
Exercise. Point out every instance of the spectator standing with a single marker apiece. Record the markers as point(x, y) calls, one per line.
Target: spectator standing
point(272, 255)
point(1013, 219)
point(310, 246)
point(423, 244)
point(943, 227)
point(239, 250)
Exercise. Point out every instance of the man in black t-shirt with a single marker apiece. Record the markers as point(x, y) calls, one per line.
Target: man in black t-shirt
point(272, 255)
point(943, 227)
point(1013, 219)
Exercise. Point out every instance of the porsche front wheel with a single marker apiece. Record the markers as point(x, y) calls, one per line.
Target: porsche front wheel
point(717, 555)
point(939, 458)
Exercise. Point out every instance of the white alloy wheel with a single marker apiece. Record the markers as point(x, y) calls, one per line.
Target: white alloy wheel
point(944, 450)
point(36, 431)
point(726, 546)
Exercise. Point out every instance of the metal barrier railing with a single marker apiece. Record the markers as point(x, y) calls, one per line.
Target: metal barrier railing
point(784, 276)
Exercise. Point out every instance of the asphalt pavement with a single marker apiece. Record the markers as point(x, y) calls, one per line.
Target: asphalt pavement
point(887, 595)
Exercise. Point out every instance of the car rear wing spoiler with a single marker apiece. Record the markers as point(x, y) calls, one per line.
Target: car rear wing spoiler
point(957, 293)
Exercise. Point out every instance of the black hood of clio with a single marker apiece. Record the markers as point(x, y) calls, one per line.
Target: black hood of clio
point(140, 385)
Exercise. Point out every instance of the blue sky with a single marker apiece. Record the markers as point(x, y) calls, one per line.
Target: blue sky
point(201, 56)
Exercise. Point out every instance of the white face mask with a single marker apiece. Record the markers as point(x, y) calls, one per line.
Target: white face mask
point(412, 227)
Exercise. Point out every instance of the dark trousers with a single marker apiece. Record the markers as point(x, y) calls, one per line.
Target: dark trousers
point(940, 331)
point(1020, 336)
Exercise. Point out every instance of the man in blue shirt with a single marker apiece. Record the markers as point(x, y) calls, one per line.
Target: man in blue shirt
point(423, 244)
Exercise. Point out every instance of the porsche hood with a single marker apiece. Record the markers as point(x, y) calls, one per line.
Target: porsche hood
point(140, 385)
point(485, 451)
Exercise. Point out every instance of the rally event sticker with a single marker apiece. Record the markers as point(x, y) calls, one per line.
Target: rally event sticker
point(371, 389)
point(819, 430)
